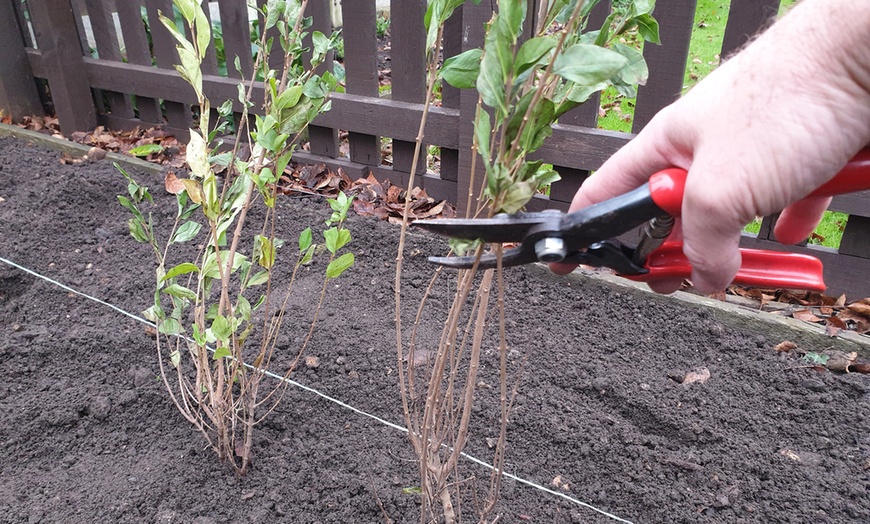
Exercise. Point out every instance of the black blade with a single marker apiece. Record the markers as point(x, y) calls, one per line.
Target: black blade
point(500, 228)
point(511, 257)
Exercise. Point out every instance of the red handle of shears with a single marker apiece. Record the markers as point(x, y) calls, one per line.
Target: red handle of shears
point(667, 186)
point(759, 268)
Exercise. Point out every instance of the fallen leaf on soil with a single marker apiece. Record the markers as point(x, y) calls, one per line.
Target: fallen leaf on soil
point(699, 375)
point(859, 307)
point(806, 315)
point(840, 360)
point(785, 346)
point(96, 153)
point(789, 454)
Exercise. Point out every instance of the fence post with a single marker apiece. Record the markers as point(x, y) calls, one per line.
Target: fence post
point(58, 42)
point(18, 95)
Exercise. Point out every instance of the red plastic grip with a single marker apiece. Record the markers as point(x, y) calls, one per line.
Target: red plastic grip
point(854, 177)
point(667, 186)
point(760, 268)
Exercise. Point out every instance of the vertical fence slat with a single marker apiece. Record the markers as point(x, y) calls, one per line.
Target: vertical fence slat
point(856, 237)
point(745, 19)
point(23, 24)
point(323, 140)
point(408, 61)
point(450, 98)
point(58, 40)
point(177, 114)
point(236, 32)
point(361, 69)
point(472, 17)
point(667, 62)
point(106, 42)
point(562, 192)
point(18, 94)
point(138, 52)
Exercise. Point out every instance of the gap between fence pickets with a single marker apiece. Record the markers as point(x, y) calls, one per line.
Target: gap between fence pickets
point(319, 394)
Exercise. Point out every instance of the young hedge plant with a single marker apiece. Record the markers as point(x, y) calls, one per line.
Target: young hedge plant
point(218, 322)
point(525, 85)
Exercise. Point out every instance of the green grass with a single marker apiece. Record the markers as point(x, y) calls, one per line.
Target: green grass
point(617, 112)
point(828, 233)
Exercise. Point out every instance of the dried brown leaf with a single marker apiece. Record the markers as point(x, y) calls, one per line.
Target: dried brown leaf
point(172, 183)
point(785, 346)
point(806, 315)
point(700, 376)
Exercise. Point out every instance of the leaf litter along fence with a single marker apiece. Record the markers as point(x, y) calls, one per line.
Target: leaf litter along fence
point(123, 76)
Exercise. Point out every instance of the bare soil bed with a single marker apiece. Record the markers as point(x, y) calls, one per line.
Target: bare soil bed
point(89, 435)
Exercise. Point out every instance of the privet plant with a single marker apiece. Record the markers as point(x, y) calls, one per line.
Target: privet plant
point(218, 321)
point(524, 86)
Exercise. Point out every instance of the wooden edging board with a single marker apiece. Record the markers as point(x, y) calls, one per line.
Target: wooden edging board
point(75, 149)
point(808, 336)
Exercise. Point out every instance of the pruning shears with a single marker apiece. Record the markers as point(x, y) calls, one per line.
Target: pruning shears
point(588, 236)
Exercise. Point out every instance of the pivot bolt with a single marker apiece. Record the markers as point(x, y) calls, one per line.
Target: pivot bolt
point(550, 249)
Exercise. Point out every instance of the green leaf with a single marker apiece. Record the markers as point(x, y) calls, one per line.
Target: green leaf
point(336, 238)
point(586, 64)
point(462, 70)
point(483, 131)
point(197, 155)
point(411, 490)
point(146, 149)
point(175, 357)
point(181, 269)
point(260, 278)
point(339, 265)
point(221, 328)
point(177, 290)
point(203, 30)
point(137, 231)
point(315, 88)
point(648, 28)
point(129, 206)
point(170, 326)
point(533, 52)
point(305, 239)
point(264, 251)
point(494, 68)
point(635, 70)
point(187, 231)
point(221, 352)
point(243, 308)
point(320, 43)
point(288, 98)
point(309, 255)
point(516, 197)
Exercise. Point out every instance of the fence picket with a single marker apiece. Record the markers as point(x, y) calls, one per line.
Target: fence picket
point(408, 75)
point(361, 70)
point(667, 62)
point(178, 115)
point(106, 41)
point(236, 33)
point(136, 46)
point(55, 27)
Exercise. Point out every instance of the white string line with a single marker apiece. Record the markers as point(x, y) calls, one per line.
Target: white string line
point(324, 396)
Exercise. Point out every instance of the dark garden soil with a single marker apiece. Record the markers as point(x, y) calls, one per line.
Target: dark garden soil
point(88, 434)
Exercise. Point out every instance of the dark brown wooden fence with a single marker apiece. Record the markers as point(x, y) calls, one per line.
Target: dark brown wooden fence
point(123, 85)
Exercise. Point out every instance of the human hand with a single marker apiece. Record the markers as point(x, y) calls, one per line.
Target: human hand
point(756, 136)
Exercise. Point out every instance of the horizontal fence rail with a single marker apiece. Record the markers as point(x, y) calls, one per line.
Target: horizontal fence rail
point(111, 63)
